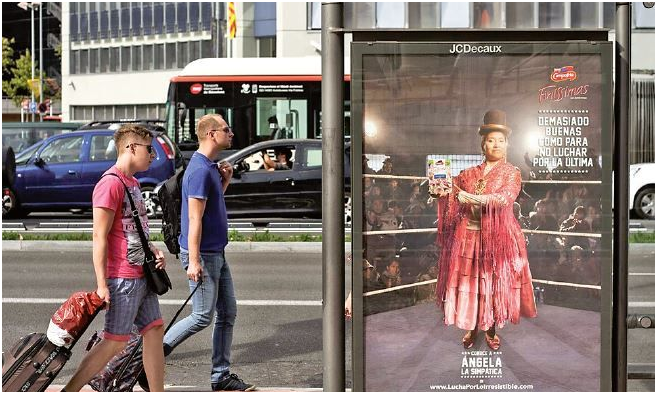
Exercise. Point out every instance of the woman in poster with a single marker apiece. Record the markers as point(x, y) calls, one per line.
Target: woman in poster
point(484, 277)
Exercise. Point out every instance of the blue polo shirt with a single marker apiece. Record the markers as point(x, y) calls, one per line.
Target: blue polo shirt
point(202, 180)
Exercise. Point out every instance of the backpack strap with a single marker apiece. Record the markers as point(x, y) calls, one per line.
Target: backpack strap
point(135, 217)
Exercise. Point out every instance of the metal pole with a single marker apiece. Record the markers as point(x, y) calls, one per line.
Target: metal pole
point(31, 90)
point(40, 58)
point(621, 188)
point(333, 344)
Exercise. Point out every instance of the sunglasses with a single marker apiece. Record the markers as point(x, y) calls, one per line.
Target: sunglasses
point(224, 130)
point(149, 147)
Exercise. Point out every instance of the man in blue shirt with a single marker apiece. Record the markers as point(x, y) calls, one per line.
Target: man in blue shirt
point(203, 237)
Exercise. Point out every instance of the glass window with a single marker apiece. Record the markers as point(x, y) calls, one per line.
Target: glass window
point(136, 19)
point(73, 8)
point(423, 15)
point(92, 6)
point(136, 57)
point(104, 60)
point(194, 17)
point(207, 49)
point(643, 17)
point(584, 15)
point(609, 15)
point(115, 59)
point(158, 18)
point(170, 56)
point(359, 15)
point(93, 61)
point(315, 15)
point(104, 23)
point(84, 26)
point(73, 20)
point(170, 17)
point(158, 57)
point(125, 19)
point(148, 57)
point(114, 23)
point(74, 67)
point(83, 6)
point(182, 17)
point(264, 21)
point(194, 50)
point(63, 150)
point(487, 15)
point(454, 15)
point(291, 114)
point(102, 146)
point(84, 61)
point(551, 15)
point(183, 54)
point(142, 112)
point(520, 15)
point(390, 14)
point(266, 47)
point(313, 157)
point(147, 14)
point(206, 15)
point(125, 58)
point(93, 25)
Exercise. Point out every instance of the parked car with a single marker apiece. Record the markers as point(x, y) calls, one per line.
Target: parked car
point(60, 172)
point(642, 190)
point(296, 193)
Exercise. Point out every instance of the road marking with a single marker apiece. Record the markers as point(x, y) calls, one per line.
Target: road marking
point(641, 304)
point(254, 303)
point(642, 274)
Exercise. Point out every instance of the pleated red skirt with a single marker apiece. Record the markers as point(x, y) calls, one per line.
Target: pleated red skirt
point(465, 305)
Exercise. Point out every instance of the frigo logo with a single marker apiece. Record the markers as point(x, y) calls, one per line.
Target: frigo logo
point(475, 49)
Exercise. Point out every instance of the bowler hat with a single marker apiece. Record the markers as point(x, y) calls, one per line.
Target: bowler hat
point(494, 121)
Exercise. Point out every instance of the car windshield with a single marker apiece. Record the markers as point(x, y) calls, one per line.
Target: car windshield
point(24, 156)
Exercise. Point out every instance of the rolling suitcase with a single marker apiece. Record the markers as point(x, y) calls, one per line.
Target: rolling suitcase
point(34, 362)
point(124, 370)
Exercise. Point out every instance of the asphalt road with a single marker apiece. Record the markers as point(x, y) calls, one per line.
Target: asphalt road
point(275, 345)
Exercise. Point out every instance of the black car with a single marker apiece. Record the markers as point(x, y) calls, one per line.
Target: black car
point(255, 192)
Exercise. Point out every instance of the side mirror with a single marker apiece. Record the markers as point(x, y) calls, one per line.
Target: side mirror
point(40, 162)
point(240, 167)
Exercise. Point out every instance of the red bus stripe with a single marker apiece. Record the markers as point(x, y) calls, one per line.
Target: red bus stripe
point(248, 78)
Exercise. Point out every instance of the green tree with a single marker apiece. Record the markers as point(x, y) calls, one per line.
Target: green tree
point(7, 54)
point(17, 88)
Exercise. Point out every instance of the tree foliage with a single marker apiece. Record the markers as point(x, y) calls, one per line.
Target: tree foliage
point(7, 54)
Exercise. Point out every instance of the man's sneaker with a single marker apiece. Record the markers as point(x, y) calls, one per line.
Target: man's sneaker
point(232, 383)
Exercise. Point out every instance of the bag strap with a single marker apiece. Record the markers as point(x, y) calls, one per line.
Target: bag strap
point(135, 217)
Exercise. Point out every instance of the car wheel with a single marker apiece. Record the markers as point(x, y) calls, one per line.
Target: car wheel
point(347, 209)
point(11, 208)
point(644, 203)
point(152, 208)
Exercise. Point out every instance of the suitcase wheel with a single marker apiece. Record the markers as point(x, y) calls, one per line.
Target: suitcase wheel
point(49, 374)
point(36, 365)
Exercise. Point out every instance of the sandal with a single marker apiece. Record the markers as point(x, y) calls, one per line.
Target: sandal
point(493, 342)
point(469, 339)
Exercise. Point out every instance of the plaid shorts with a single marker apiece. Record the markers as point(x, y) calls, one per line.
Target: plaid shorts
point(131, 302)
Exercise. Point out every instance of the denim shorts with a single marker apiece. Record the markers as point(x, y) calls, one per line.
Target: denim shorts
point(131, 302)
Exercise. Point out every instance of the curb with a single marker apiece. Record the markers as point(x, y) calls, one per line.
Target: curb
point(239, 247)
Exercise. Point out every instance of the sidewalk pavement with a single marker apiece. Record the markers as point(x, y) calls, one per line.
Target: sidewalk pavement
point(177, 388)
point(270, 247)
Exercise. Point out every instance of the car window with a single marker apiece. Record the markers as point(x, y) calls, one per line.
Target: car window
point(102, 148)
point(62, 150)
point(313, 157)
point(23, 157)
point(256, 158)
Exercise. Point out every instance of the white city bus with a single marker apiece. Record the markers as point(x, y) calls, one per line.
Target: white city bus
point(249, 92)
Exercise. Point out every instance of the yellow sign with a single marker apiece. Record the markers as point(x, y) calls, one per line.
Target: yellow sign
point(34, 85)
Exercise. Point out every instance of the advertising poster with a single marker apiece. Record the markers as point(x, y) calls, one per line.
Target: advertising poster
point(486, 215)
